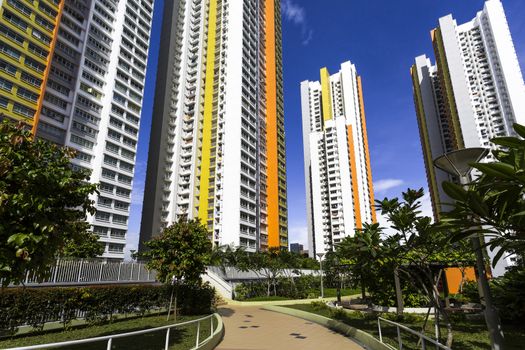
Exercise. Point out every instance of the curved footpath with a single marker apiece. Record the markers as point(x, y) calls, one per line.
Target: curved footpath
point(252, 328)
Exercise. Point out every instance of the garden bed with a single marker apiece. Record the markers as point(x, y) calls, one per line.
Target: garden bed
point(468, 334)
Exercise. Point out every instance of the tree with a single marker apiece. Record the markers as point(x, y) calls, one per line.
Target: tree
point(89, 247)
point(362, 253)
point(181, 252)
point(419, 249)
point(494, 201)
point(43, 203)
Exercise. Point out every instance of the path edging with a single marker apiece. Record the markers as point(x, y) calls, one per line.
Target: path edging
point(362, 337)
point(218, 334)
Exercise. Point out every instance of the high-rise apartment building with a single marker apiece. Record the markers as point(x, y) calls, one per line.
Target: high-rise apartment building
point(217, 142)
point(339, 190)
point(474, 92)
point(28, 32)
point(92, 101)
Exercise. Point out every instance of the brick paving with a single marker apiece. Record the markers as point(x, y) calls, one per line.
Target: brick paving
point(252, 328)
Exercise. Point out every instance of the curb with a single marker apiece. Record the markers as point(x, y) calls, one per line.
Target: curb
point(365, 339)
point(218, 334)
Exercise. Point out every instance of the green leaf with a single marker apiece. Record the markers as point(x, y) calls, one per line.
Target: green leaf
point(511, 142)
point(455, 191)
point(498, 170)
point(497, 257)
point(520, 129)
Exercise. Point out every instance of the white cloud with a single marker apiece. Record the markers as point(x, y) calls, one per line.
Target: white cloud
point(296, 14)
point(426, 206)
point(386, 184)
point(298, 234)
point(132, 243)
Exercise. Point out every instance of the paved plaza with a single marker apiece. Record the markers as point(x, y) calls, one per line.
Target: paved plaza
point(252, 328)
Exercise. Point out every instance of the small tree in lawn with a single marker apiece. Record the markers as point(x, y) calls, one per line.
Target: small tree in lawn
point(179, 254)
point(43, 205)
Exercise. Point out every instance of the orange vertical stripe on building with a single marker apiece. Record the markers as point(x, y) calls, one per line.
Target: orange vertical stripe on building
point(271, 129)
point(36, 118)
point(353, 172)
point(367, 151)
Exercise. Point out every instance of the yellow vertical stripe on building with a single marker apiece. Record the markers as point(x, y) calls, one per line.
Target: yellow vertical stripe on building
point(208, 114)
point(366, 148)
point(326, 94)
point(36, 118)
point(425, 143)
point(451, 107)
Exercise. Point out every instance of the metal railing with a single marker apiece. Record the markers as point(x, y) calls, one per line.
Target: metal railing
point(423, 338)
point(78, 272)
point(233, 274)
point(109, 338)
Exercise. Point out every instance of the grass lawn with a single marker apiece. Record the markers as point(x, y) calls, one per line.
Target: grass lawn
point(180, 338)
point(468, 334)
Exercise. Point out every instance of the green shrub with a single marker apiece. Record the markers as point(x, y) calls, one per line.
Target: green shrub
point(508, 294)
point(97, 304)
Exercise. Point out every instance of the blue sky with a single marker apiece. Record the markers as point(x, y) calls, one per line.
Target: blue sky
point(382, 38)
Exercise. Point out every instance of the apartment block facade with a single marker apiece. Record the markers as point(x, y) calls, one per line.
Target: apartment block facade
point(217, 149)
point(473, 93)
point(28, 32)
point(88, 90)
point(339, 189)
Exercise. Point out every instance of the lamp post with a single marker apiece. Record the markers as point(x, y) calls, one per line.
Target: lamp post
point(458, 163)
point(320, 255)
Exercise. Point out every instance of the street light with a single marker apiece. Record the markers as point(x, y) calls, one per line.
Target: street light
point(458, 163)
point(320, 255)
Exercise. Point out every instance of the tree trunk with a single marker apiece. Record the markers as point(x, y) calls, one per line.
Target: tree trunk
point(363, 292)
point(171, 301)
point(399, 293)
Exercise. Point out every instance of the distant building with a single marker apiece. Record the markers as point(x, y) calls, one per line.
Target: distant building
point(474, 92)
point(339, 192)
point(296, 248)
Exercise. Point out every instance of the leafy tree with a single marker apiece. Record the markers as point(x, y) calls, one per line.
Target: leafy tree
point(43, 204)
point(495, 200)
point(181, 252)
point(362, 253)
point(419, 249)
point(89, 247)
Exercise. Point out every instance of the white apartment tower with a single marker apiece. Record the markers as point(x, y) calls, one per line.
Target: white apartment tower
point(339, 190)
point(217, 149)
point(475, 91)
point(93, 101)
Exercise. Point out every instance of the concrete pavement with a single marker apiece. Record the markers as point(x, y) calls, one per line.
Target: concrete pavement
point(252, 328)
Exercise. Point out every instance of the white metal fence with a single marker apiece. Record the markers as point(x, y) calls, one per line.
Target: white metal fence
point(232, 274)
point(423, 339)
point(109, 338)
point(80, 272)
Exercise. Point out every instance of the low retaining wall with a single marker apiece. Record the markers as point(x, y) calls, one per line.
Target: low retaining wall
point(217, 336)
point(360, 336)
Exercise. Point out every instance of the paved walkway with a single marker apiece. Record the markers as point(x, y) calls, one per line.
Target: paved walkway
point(252, 328)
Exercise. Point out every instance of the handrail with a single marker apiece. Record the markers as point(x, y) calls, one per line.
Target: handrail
point(109, 338)
point(421, 336)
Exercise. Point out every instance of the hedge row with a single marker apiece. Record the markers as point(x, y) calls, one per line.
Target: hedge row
point(96, 304)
